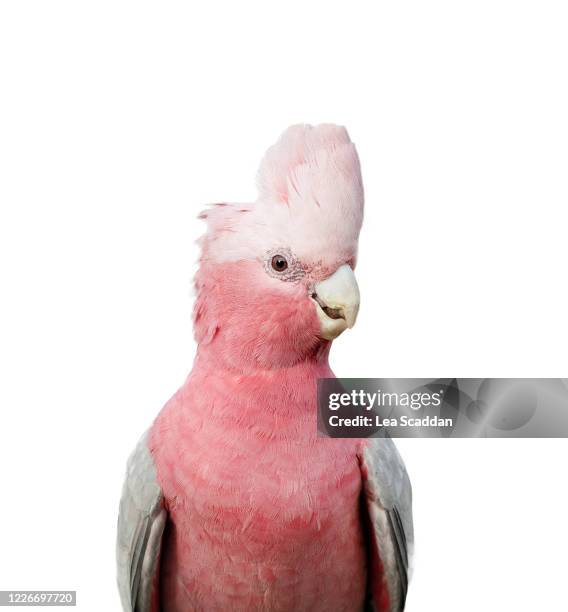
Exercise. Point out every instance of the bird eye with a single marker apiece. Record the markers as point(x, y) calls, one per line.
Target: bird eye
point(279, 263)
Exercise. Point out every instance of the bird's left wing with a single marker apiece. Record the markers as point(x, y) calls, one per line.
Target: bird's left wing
point(387, 505)
point(141, 523)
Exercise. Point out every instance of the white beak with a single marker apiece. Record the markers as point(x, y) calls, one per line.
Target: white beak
point(337, 302)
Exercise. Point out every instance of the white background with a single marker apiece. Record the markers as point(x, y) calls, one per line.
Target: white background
point(120, 120)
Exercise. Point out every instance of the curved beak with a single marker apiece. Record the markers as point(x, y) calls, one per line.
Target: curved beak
point(337, 302)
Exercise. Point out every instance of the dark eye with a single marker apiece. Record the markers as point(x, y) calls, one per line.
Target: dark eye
point(279, 263)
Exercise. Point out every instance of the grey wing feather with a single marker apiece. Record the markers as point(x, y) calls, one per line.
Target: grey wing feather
point(141, 523)
point(388, 501)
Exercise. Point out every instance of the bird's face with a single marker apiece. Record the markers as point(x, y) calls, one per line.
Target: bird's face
point(331, 288)
point(276, 280)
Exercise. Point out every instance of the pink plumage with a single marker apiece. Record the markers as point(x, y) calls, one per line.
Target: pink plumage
point(260, 513)
point(264, 514)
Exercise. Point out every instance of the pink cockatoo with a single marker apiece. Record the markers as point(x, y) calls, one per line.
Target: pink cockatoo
point(232, 501)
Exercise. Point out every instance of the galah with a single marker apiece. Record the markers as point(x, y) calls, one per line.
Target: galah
point(232, 501)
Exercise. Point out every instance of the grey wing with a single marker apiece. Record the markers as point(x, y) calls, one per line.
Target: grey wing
point(388, 505)
point(141, 523)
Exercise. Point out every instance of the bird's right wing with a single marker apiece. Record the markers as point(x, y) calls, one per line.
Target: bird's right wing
point(141, 523)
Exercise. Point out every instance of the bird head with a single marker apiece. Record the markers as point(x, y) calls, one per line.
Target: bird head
point(276, 279)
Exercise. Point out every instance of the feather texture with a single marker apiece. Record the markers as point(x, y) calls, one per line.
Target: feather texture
point(388, 503)
point(141, 524)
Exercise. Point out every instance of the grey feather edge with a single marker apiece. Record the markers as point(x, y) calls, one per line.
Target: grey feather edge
point(388, 496)
point(141, 521)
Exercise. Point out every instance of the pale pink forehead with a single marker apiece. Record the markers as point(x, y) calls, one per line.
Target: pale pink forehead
point(310, 202)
